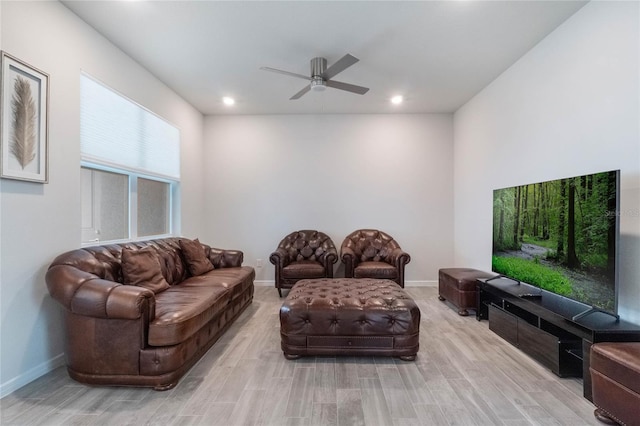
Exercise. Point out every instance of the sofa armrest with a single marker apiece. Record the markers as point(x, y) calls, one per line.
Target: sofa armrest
point(86, 294)
point(350, 261)
point(328, 258)
point(347, 254)
point(280, 258)
point(221, 258)
point(398, 258)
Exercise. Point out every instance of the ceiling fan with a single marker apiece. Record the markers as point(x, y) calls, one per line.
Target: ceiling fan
point(321, 76)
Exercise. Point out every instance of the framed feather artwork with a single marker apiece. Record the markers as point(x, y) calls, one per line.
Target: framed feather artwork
point(24, 121)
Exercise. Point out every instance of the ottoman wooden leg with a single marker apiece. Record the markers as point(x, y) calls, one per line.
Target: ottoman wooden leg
point(440, 298)
point(463, 312)
point(291, 357)
point(603, 417)
point(408, 357)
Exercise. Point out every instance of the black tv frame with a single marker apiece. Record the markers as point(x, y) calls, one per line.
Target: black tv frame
point(590, 307)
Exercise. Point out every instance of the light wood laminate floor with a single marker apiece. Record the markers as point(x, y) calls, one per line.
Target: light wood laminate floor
point(463, 375)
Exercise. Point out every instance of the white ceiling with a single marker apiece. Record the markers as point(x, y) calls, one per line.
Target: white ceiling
point(437, 54)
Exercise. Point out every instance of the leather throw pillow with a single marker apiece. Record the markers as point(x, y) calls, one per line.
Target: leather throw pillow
point(142, 268)
point(194, 254)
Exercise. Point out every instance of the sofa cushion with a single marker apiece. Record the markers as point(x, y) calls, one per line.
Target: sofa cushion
point(236, 280)
point(303, 269)
point(183, 309)
point(196, 258)
point(381, 270)
point(142, 268)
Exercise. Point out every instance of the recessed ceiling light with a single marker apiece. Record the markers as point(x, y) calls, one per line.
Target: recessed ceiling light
point(228, 101)
point(396, 100)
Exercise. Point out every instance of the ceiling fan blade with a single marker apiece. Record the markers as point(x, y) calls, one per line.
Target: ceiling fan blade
point(348, 87)
point(292, 74)
point(343, 63)
point(300, 93)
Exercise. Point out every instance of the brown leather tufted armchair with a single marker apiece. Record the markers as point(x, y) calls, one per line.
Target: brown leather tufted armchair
point(301, 255)
point(369, 253)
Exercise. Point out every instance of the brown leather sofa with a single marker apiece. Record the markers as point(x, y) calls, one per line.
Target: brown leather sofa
point(130, 335)
point(615, 381)
point(369, 253)
point(302, 255)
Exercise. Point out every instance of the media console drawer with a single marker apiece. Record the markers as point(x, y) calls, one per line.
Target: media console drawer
point(503, 324)
point(558, 353)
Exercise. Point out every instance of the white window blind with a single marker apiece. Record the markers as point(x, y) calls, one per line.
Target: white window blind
point(115, 131)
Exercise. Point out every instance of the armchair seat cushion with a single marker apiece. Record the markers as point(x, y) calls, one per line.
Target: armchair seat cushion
point(184, 309)
point(378, 270)
point(303, 269)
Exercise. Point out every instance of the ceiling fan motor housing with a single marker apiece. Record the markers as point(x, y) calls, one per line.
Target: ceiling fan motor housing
point(318, 67)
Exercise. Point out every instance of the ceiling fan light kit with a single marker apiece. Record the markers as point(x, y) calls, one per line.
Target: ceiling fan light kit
point(318, 84)
point(321, 76)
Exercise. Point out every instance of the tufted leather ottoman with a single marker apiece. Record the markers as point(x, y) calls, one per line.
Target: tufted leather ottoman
point(458, 286)
point(349, 316)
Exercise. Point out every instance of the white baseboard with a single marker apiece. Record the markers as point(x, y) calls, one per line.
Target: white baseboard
point(30, 375)
point(412, 283)
point(421, 283)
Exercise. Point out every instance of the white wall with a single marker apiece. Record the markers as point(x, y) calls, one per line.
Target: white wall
point(570, 106)
point(42, 221)
point(267, 176)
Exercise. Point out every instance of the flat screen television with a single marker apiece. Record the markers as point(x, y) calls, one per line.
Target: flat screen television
point(561, 236)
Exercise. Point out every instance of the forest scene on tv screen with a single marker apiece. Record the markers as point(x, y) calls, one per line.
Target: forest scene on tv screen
point(560, 235)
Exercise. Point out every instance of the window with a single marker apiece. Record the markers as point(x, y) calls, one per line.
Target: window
point(153, 203)
point(130, 167)
point(111, 190)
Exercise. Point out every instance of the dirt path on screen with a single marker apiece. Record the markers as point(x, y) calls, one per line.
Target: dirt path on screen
point(589, 288)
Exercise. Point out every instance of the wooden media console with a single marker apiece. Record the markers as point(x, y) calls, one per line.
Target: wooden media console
point(541, 324)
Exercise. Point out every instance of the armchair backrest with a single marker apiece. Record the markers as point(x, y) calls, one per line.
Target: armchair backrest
point(370, 245)
point(307, 245)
